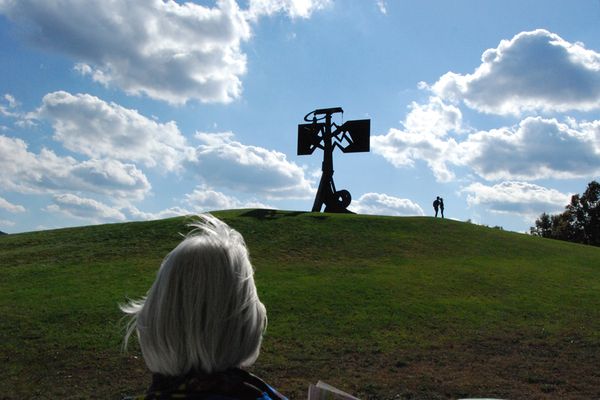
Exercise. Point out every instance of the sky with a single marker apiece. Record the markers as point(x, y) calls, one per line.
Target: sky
point(114, 110)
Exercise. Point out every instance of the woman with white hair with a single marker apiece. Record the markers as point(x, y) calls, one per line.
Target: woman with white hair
point(202, 320)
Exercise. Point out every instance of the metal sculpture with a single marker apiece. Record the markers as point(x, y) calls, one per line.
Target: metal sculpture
point(350, 137)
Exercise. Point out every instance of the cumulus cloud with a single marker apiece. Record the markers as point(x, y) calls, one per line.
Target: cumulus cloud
point(132, 212)
point(98, 212)
point(166, 50)
point(404, 148)
point(433, 118)
point(4, 222)
point(43, 172)
point(10, 207)
point(224, 162)
point(382, 6)
point(525, 199)
point(204, 199)
point(8, 108)
point(425, 136)
point(201, 199)
point(12, 102)
point(536, 148)
point(589, 129)
point(383, 204)
point(88, 125)
point(533, 71)
point(84, 208)
point(293, 8)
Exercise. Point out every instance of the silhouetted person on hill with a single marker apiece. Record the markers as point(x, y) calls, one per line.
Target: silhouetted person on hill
point(441, 205)
point(436, 205)
point(201, 322)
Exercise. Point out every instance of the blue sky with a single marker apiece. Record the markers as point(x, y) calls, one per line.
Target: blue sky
point(113, 111)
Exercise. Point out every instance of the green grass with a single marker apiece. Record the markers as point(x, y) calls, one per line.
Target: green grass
point(379, 305)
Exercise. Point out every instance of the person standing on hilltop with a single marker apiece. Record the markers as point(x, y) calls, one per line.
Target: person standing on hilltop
point(436, 205)
point(441, 205)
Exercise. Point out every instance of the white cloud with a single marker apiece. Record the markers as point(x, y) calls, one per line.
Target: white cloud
point(10, 109)
point(8, 206)
point(12, 102)
point(383, 204)
point(90, 126)
point(433, 118)
point(537, 148)
point(403, 149)
point(166, 50)
point(293, 8)
point(589, 129)
point(382, 6)
point(201, 199)
point(204, 199)
point(426, 127)
point(84, 208)
point(525, 199)
point(225, 162)
point(110, 177)
point(133, 212)
point(534, 71)
point(27, 172)
point(4, 222)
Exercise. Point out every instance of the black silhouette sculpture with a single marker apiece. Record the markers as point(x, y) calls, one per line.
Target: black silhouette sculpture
point(350, 137)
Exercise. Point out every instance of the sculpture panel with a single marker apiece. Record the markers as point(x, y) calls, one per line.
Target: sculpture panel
point(322, 133)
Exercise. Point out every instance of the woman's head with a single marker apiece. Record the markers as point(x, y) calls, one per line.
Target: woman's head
point(202, 311)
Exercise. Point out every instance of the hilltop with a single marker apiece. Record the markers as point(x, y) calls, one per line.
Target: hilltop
point(382, 307)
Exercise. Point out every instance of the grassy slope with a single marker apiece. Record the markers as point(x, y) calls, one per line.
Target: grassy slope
point(380, 306)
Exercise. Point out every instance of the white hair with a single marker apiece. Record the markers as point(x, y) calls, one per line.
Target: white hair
point(202, 312)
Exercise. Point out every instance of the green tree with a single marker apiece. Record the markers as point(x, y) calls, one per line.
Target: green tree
point(586, 209)
point(543, 226)
point(562, 227)
point(580, 222)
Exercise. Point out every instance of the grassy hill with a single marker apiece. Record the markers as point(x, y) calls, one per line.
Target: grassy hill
point(382, 307)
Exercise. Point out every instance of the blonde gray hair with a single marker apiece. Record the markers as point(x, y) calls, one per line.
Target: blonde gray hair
point(202, 311)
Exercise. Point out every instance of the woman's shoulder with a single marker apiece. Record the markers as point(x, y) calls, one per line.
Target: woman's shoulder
point(267, 391)
point(232, 384)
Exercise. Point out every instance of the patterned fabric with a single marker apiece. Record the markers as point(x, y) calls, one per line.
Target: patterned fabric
point(233, 384)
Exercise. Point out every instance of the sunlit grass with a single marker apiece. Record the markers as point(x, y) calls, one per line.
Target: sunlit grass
point(332, 284)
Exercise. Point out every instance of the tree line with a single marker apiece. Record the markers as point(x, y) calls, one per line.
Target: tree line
point(579, 223)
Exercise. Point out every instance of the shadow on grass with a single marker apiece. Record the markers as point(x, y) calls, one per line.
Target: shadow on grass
point(263, 214)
